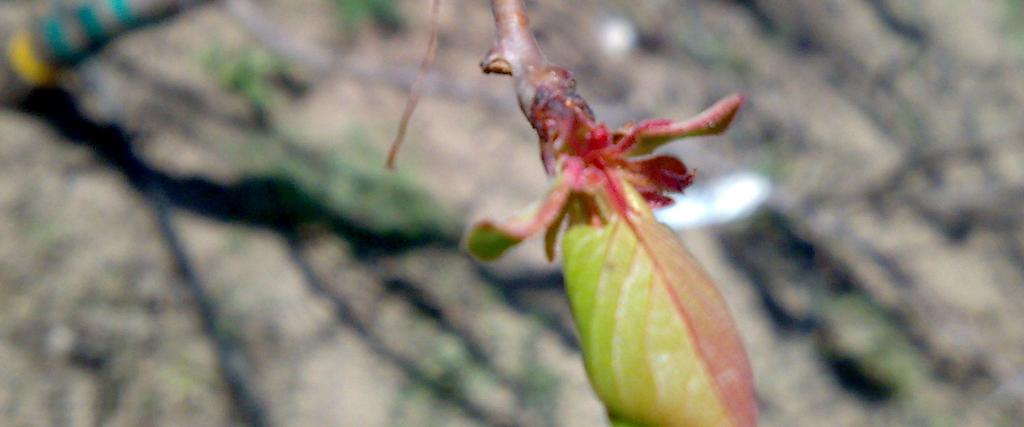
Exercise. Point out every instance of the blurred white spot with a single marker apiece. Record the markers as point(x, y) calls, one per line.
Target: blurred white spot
point(617, 36)
point(59, 341)
point(723, 200)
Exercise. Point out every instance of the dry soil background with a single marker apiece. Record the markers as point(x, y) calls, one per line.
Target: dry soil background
point(199, 232)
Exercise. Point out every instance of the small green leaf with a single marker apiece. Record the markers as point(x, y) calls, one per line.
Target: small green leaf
point(487, 242)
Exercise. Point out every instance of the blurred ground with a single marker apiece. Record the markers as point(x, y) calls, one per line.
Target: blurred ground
point(231, 253)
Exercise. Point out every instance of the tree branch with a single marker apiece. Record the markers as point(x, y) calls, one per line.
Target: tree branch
point(515, 50)
point(546, 92)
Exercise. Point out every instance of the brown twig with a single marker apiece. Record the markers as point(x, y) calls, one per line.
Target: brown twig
point(546, 92)
point(516, 53)
point(515, 50)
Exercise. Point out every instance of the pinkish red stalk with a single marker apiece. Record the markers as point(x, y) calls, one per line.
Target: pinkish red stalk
point(567, 128)
point(602, 180)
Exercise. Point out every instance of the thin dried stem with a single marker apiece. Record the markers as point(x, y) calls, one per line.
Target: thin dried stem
point(417, 86)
